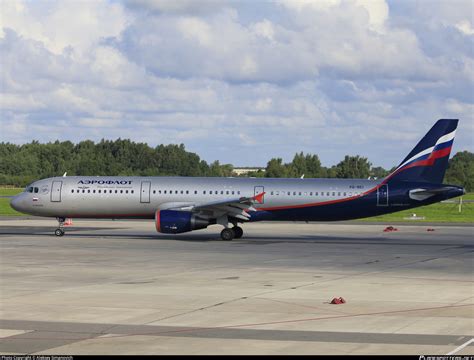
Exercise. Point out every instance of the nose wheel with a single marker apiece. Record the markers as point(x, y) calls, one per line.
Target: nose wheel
point(60, 230)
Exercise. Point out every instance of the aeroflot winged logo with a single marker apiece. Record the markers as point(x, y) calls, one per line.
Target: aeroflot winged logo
point(107, 182)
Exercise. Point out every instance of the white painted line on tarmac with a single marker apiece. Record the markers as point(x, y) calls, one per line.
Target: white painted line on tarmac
point(460, 347)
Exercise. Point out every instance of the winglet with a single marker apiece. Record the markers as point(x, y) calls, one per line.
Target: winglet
point(259, 197)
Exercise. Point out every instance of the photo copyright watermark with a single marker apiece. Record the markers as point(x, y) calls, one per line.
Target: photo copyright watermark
point(446, 357)
point(36, 357)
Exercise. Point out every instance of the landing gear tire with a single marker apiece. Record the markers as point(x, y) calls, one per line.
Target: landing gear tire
point(227, 234)
point(238, 232)
point(60, 230)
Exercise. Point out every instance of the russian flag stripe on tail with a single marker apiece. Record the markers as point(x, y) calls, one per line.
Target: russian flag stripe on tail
point(428, 161)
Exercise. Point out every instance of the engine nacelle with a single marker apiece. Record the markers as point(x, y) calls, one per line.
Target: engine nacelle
point(175, 222)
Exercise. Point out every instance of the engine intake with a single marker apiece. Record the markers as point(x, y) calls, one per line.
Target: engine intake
point(176, 222)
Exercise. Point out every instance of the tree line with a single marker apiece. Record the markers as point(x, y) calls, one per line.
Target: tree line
point(22, 164)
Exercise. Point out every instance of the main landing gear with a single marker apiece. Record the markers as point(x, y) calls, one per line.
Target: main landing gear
point(228, 234)
point(60, 230)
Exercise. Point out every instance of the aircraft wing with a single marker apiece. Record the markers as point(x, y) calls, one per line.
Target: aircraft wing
point(237, 207)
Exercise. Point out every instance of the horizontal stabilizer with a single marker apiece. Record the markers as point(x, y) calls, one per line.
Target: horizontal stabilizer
point(422, 194)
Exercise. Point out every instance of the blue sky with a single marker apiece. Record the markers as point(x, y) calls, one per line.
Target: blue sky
point(239, 81)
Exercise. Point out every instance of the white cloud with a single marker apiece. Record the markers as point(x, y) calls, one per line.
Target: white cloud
point(333, 78)
point(62, 24)
point(465, 27)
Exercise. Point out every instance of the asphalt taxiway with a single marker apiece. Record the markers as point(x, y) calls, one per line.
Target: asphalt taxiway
point(118, 287)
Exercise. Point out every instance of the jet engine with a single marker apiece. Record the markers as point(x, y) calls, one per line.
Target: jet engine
point(175, 222)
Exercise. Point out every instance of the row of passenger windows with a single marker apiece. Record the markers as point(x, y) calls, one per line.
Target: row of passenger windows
point(105, 191)
point(311, 193)
point(210, 192)
point(204, 192)
point(100, 191)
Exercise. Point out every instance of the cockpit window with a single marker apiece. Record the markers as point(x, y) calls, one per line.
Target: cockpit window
point(36, 189)
point(30, 189)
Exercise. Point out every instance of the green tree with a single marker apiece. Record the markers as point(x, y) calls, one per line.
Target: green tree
point(353, 167)
point(461, 170)
point(276, 169)
point(378, 172)
point(308, 164)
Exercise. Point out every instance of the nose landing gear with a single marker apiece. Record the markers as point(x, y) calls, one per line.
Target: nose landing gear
point(60, 230)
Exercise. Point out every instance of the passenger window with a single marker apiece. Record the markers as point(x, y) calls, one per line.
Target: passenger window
point(271, 192)
point(176, 191)
point(222, 192)
point(299, 193)
point(159, 191)
point(195, 192)
point(289, 193)
point(327, 194)
point(204, 192)
point(277, 192)
point(182, 192)
point(100, 191)
point(210, 192)
point(164, 191)
point(93, 191)
point(233, 192)
point(316, 193)
point(116, 191)
point(83, 191)
point(187, 191)
point(227, 192)
point(72, 190)
point(338, 194)
point(154, 191)
point(121, 192)
point(110, 191)
point(238, 192)
point(126, 191)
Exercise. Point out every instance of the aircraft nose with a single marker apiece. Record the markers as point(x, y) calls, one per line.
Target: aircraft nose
point(16, 203)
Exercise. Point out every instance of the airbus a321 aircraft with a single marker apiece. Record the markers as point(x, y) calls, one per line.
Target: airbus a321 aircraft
point(182, 204)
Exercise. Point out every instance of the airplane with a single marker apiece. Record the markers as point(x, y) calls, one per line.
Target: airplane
point(183, 204)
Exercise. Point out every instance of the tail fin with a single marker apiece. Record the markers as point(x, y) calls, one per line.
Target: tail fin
point(428, 161)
